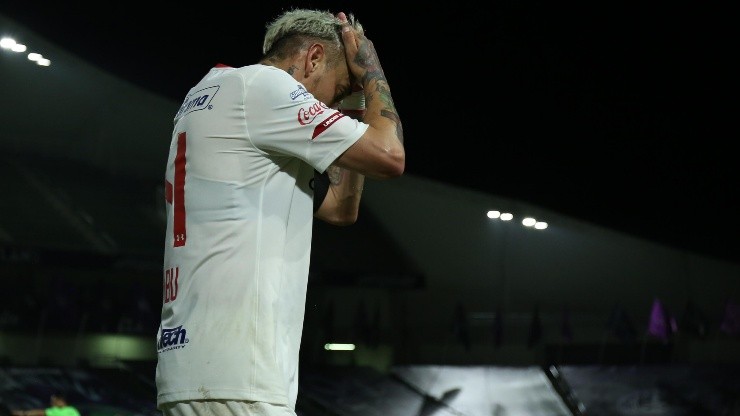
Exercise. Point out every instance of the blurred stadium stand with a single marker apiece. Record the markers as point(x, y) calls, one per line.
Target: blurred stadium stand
point(94, 392)
point(80, 296)
point(418, 390)
point(53, 205)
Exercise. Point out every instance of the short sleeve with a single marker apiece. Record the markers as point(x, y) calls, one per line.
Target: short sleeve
point(284, 118)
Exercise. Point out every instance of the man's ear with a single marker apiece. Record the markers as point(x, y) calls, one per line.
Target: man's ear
point(315, 56)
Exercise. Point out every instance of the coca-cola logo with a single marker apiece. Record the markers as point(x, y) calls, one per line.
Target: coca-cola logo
point(306, 115)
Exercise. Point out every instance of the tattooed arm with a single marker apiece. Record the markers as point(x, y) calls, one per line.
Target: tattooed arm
point(379, 153)
point(341, 205)
point(337, 191)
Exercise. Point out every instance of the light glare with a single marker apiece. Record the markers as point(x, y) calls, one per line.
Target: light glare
point(493, 214)
point(506, 216)
point(528, 222)
point(339, 347)
point(7, 43)
point(12, 45)
point(541, 225)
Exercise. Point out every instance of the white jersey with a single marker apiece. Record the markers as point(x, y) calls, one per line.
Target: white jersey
point(239, 221)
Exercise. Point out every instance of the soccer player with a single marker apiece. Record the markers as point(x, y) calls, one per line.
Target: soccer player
point(257, 152)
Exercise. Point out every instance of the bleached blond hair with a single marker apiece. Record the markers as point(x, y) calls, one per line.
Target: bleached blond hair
point(291, 30)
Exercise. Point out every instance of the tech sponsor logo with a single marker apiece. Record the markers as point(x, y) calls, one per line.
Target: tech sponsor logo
point(198, 100)
point(172, 339)
point(300, 92)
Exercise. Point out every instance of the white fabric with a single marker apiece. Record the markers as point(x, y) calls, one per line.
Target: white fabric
point(225, 408)
point(236, 268)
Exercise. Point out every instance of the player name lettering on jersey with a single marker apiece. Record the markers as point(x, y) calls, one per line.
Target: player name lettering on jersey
point(198, 100)
point(306, 115)
point(171, 284)
point(172, 338)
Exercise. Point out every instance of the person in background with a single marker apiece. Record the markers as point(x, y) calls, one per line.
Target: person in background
point(59, 407)
point(257, 152)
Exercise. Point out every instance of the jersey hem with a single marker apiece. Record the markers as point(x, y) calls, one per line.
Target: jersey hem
point(190, 395)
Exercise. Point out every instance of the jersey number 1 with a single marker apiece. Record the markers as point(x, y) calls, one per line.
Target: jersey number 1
point(175, 194)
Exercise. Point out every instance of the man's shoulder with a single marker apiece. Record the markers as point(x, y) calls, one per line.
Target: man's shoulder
point(270, 84)
point(264, 70)
point(260, 76)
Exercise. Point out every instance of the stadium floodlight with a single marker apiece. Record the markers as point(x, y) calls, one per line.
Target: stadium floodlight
point(339, 347)
point(7, 43)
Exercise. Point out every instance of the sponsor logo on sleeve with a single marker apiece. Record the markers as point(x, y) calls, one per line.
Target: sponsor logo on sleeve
point(300, 92)
point(198, 100)
point(318, 110)
point(172, 339)
point(324, 125)
point(307, 114)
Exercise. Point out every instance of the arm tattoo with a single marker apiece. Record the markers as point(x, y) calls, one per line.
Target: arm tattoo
point(335, 174)
point(367, 58)
point(393, 116)
point(389, 109)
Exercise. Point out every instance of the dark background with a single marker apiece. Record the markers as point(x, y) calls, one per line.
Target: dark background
point(615, 113)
